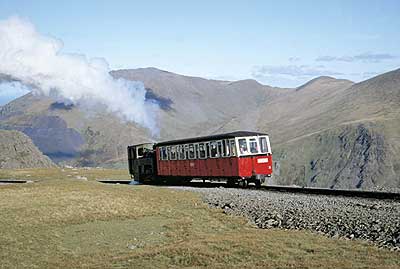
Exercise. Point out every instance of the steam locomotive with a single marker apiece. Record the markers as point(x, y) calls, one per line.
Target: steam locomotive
point(240, 157)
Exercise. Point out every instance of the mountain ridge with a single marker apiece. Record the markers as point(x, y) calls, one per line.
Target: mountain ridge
point(340, 112)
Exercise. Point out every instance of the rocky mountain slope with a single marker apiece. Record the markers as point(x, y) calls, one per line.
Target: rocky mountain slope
point(328, 132)
point(190, 106)
point(68, 134)
point(18, 151)
point(352, 141)
point(202, 106)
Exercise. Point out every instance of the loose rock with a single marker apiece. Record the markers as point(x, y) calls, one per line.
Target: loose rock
point(377, 221)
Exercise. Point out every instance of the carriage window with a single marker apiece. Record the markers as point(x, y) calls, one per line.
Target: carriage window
point(186, 151)
point(173, 153)
point(168, 153)
point(192, 154)
point(132, 152)
point(263, 144)
point(226, 149)
point(140, 152)
point(208, 149)
point(243, 146)
point(163, 153)
point(181, 152)
point(202, 151)
point(196, 150)
point(213, 150)
point(219, 146)
point(253, 145)
point(232, 147)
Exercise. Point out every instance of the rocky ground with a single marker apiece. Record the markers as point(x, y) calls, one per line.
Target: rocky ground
point(373, 220)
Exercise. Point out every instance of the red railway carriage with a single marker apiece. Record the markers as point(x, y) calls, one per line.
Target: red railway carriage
point(241, 157)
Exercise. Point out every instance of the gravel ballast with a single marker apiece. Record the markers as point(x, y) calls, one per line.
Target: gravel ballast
point(377, 221)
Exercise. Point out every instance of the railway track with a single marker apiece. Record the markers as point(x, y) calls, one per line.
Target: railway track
point(12, 181)
point(306, 190)
point(336, 192)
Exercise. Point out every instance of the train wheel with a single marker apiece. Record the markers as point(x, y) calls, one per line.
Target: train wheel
point(243, 183)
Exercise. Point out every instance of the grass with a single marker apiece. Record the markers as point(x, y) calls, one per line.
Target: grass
point(40, 174)
point(62, 222)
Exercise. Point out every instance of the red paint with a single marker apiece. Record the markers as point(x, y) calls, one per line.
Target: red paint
point(216, 167)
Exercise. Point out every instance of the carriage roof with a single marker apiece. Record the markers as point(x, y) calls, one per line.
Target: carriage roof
point(208, 138)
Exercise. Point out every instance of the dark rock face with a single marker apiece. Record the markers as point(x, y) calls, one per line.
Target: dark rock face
point(366, 159)
point(347, 157)
point(163, 102)
point(52, 136)
point(61, 106)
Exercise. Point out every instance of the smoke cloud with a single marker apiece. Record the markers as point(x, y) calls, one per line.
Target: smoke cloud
point(37, 60)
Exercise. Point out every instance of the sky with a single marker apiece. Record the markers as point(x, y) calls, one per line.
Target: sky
point(278, 43)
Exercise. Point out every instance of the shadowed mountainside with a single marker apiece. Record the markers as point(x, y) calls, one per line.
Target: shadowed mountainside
point(69, 134)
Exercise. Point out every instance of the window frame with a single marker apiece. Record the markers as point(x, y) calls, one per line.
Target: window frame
point(181, 150)
point(238, 146)
point(216, 147)
point(233, 148)
point(168, 150)
point(173, 149)
point(203, 144)
point(194, 152)
point(163, 153)
point(186, 150)
point(257, 140)
point(257, 145)
point(226, 148)
point(207, 148)
point(220, 148)
point(266, 144)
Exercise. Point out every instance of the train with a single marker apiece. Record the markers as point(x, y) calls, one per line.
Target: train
point(239, 158)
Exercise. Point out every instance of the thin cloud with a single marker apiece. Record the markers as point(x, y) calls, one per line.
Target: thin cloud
point(294, 59)
point(295, 71)
point(364, 57)
point(369, 74)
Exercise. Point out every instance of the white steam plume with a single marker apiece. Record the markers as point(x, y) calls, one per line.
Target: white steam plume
point(35, 59)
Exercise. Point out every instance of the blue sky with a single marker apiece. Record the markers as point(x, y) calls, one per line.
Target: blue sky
point(279, 43)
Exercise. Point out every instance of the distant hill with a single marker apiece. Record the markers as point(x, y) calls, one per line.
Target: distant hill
point(202, 106)
point(342, 137)
point(18, 151)
point(328, 132)
point(68, 134)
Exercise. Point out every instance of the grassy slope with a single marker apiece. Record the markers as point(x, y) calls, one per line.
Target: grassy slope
point(73, 223)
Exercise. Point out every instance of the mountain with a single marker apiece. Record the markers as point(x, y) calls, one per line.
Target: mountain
point(68, 134)
point(328, 132)
point(201, 106)
point(189, 106)
point(18, 151)
point(348, 137)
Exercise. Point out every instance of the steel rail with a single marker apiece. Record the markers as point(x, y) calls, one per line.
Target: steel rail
point(12, 181)
point(278, 188)
point(335, 192)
